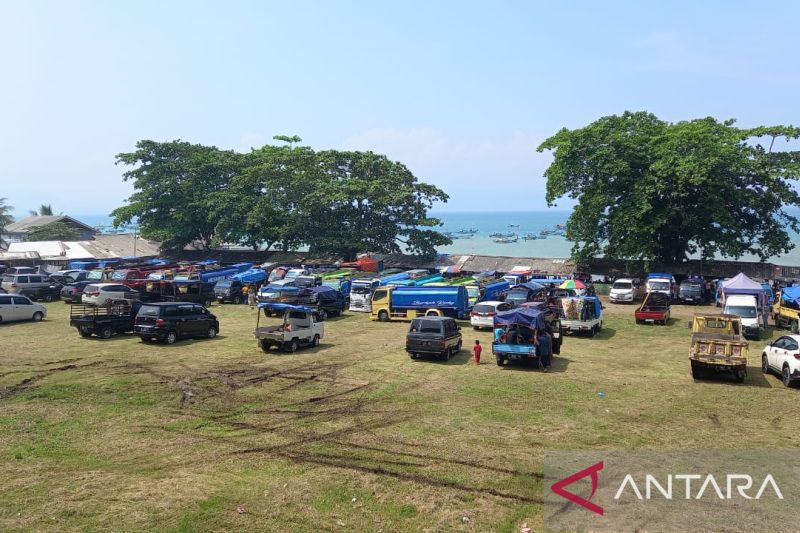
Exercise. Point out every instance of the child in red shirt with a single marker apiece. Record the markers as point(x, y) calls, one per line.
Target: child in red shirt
point(477, 349)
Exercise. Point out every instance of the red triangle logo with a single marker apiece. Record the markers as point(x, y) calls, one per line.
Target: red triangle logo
point(591, 471)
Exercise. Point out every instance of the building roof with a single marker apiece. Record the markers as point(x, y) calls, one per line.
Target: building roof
point(28, 223)
point(102, 247)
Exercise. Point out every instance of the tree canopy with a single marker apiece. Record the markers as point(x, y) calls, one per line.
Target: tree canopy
point(279, 196)
point(55, 231)
point(657, 191)
point(5, 218)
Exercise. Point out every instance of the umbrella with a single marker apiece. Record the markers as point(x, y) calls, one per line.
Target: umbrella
point(452, 269)
point(572, 284)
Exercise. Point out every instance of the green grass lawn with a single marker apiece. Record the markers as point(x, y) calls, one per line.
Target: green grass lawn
point(352, 436)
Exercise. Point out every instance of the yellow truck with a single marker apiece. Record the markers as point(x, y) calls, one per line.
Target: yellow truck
point(785, 311)
point(718, 345)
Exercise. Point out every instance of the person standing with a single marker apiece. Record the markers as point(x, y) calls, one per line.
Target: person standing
point(477, 349)
point(251, 296)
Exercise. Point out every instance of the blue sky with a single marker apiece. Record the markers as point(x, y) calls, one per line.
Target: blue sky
point(461, 92)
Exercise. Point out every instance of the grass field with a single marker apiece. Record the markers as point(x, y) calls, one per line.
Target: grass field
point(352, 436)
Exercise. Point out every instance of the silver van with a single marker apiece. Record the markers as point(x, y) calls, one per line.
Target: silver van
point(30, 285)
point(15, 307)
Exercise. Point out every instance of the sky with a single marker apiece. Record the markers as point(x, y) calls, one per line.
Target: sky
point(461, 92)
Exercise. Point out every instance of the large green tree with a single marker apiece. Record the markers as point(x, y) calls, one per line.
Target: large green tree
point(55, 231)
point(5, 219)
point(175, 185)
point(282, 196)
point(654, 190)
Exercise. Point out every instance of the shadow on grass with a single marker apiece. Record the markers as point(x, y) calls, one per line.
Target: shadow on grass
point(461, 358)
point(182, 342)
point(558, 365)
point(754, 378)
point(606, 333)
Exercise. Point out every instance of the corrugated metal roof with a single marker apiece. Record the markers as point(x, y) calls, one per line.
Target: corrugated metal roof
point(52, 249)
point(102, 247)
point(28, 223)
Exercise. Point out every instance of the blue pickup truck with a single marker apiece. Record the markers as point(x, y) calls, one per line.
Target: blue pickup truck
point(520, 326)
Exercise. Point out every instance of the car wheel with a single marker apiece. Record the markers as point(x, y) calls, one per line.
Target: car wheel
point(207, 303)
point(212, 332)
point(172, 336)
point(476, 328)
point(37, 316)
point(445, 355)
point(85, 332)
point(696, 372)
point(764, 364)
point(786, 377)
point(794, 326)
point(236, 300)
point(738, 376)
point(500, 361)
point(106, 332)
point(48, 297)
point(412, 355)
point(431, 313)
point(265, 345)
point(383, 316)
point(458, 347)
point(292, 346)
point(323, 315)
point(315, 341)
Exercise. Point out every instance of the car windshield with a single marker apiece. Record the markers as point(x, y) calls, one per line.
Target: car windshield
point(517, 296)
point(118, 275)
point(425, 326)
point(224, 284)
point(690, 287)
point(360, 290)
point(622, 285)
point(659, 285)
point(743, 311)
point(148, 310)
point(483, 308)
point(473, 292)
point(95, 274)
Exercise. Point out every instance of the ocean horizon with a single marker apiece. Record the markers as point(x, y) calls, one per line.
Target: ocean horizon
point(486, 223)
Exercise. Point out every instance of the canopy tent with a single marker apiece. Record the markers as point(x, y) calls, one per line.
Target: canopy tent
point(521, 316)
point(741, 284)
point(532, 285)
point(452, 269)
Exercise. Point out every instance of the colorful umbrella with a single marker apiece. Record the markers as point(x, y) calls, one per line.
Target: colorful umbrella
point(452, 269)
point(572, 284)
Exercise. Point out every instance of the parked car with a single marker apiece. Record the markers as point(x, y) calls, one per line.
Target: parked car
point(16, 307)
point(623, 291)
point(171, 321)
point(102, 293)
point(433, 335)
point(103, 321)
point(691, 291)
point(229, 290)
point(73, 292)
point(654, 309)
point(30, 285)
point(301, 326)
point(718, 346)
point(482, 315)
point(782, 356)
point(21, 270)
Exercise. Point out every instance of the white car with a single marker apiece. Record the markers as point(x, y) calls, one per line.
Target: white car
point(482, 315)
point(623, 290)
point(15, 307)
point(102, 293)
point(782, 356)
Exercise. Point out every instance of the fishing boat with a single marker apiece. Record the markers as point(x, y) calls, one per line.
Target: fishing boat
point(561, 226)
point(470, 231)
point(513, 225)
point(545, 232)
point(506, 240)
point(530, 237)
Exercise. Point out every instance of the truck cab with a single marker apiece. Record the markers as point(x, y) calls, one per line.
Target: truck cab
point(663, 283)
point(361, 294)
point(300, 327)
point(746, 307)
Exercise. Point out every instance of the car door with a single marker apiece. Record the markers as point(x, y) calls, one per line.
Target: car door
point(776, 351)
point(7, 311)
point(203, 319)
point(23, 308)
point(790, 348)
point(188, 320)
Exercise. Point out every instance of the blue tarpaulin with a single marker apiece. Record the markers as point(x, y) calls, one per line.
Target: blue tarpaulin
point(275, 306)
point(659, 275)
point(521, 316)
point(791, 294)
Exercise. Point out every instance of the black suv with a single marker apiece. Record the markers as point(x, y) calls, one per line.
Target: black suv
point(433, 335)
point(73, 293)
point(229, 290)
point(170, 321)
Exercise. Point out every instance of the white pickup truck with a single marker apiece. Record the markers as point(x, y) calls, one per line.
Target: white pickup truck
point(300, 327)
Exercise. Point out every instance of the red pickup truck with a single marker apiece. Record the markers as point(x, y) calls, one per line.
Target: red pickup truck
point(654, 309)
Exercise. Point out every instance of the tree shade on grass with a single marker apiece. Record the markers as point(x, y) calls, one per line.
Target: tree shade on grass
point(654, 190)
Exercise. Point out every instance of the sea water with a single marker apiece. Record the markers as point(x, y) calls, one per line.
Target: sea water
point(520, 223)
